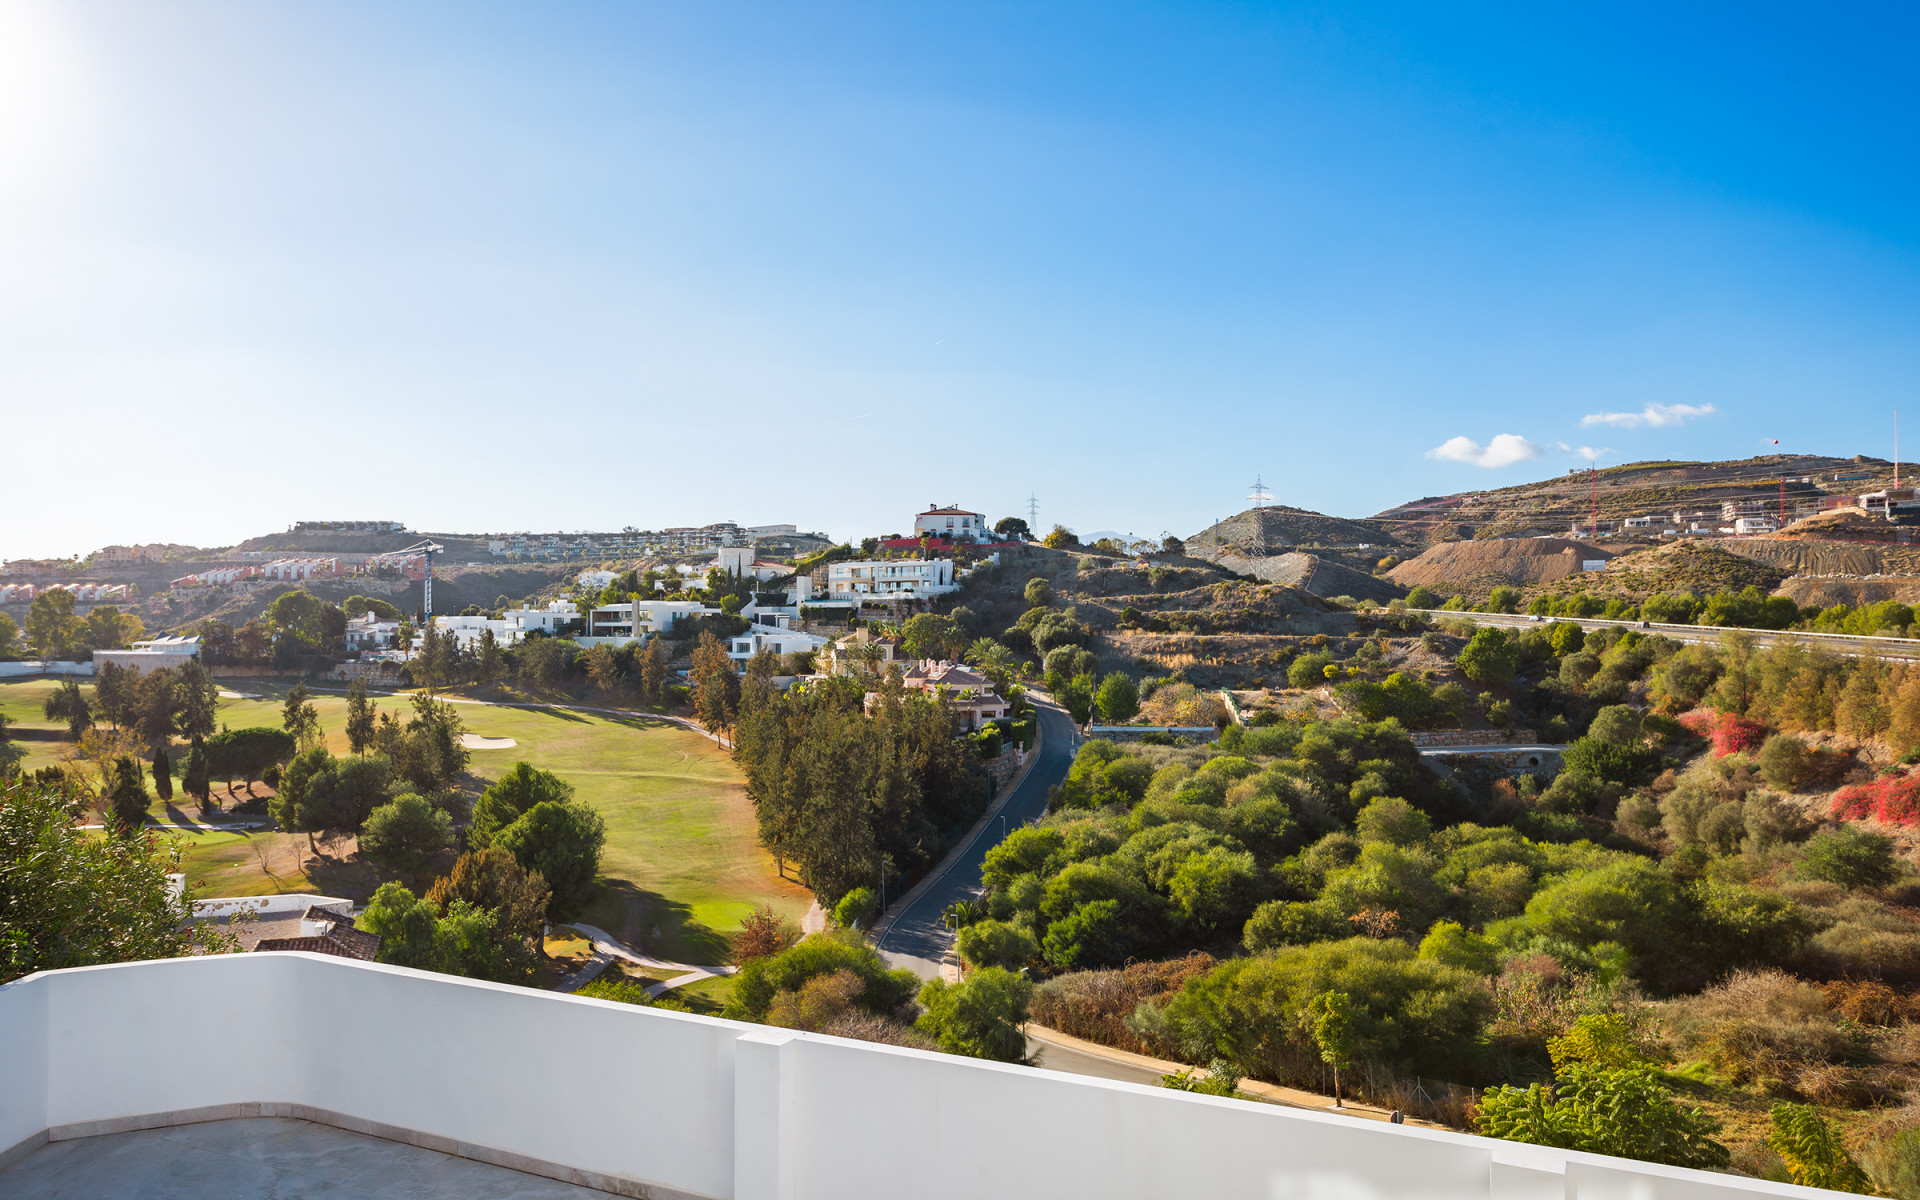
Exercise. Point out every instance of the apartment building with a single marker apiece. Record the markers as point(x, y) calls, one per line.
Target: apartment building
point(891, 579)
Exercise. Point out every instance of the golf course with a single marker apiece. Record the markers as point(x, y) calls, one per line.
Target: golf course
point(681, 868)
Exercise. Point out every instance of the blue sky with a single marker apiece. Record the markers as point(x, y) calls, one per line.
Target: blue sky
point(488, 267)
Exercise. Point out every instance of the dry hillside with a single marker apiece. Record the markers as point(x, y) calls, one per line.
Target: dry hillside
point(1631, 489)
point(1481, 565)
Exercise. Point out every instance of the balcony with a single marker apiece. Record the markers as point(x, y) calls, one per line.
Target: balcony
point(312, 1064)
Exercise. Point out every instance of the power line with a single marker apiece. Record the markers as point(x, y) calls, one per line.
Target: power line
point(1258, 496)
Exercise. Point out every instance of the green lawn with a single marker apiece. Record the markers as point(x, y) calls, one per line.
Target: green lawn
point(682, 864)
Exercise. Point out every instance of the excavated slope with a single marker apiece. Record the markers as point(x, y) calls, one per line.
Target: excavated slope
point(1312, 573)
point(1276, 529)
point(1486, 563)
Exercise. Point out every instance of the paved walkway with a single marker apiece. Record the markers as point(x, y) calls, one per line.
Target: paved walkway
point(606, 948)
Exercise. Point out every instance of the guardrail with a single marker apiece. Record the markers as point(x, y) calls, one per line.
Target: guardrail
point(1912, 644)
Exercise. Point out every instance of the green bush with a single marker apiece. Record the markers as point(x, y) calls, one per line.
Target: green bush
point(1612, 762)
point(856, 908)
point(998, 944)
point(1410, 1013)
point(1490, 656)
point(1849, 856)
point(981, 1016)
point(882, 990)
point(1622, 1112)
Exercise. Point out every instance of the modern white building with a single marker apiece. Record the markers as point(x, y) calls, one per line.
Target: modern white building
point(951, 522)
point(469, 631)
point(780, 641)
point(557, 615)
point(373, 1072)
point(891, 579)
point(152, 654)
point(629, 622)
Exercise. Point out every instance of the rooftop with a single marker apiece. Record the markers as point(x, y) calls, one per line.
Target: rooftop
point(264, 1156)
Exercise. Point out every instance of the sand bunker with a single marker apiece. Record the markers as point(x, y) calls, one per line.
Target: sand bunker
point(226, 695)
point(474, 741)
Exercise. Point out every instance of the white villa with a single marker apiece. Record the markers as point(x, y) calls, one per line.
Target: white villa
point(891, 579)
point(370, 632)
point(780, 641)
point(951, 522)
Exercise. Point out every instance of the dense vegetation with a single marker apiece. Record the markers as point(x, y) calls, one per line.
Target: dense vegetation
point(1678, 935)
point(844, 794)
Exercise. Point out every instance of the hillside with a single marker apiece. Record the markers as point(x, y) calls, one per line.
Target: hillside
point(1632, 489)
point(1276, 529)
point(1698, 566)
point(1476, 566)
point(1312, 573)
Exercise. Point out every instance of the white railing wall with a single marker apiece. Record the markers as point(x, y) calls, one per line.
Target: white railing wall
point(661, 1103)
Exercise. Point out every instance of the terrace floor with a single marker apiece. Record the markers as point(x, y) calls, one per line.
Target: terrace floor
point(264, 1158)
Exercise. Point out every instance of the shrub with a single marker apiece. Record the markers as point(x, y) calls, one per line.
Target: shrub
point(855, 908)
point(1414, 1013)
point(1490, 656)
point(759, 981)
point(1762, 1027)
point(981, 1016)
point(1894, 1163)
point(1220, 1080)
point(762, 934)
point(998, 944)
point(1097, 1005)
point(1894, 800)
point(1730, 732)
point(1627, 764)
point(1852, 858)
point(1623, 1112)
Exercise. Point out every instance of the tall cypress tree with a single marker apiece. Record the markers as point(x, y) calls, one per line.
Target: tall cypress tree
point(162, 773)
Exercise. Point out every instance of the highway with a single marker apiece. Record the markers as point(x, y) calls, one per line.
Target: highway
point(1845, 644)
point(917, 939)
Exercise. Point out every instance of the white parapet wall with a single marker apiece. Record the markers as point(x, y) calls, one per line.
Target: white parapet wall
point(287, 902)
point(665, 1104)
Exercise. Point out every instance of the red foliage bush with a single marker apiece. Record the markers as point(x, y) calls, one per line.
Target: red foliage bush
point(1894, 799)
point(1731, 733)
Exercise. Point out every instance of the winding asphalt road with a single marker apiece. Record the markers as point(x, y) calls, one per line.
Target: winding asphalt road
point(917, 932)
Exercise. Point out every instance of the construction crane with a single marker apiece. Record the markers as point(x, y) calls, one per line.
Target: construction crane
point(426, 550)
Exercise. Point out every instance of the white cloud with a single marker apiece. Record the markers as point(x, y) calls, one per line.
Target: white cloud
point(1654, 416)
point(1589, 452)
point(1503, 451)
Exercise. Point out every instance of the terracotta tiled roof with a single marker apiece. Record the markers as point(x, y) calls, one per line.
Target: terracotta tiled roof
point(343, 942)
